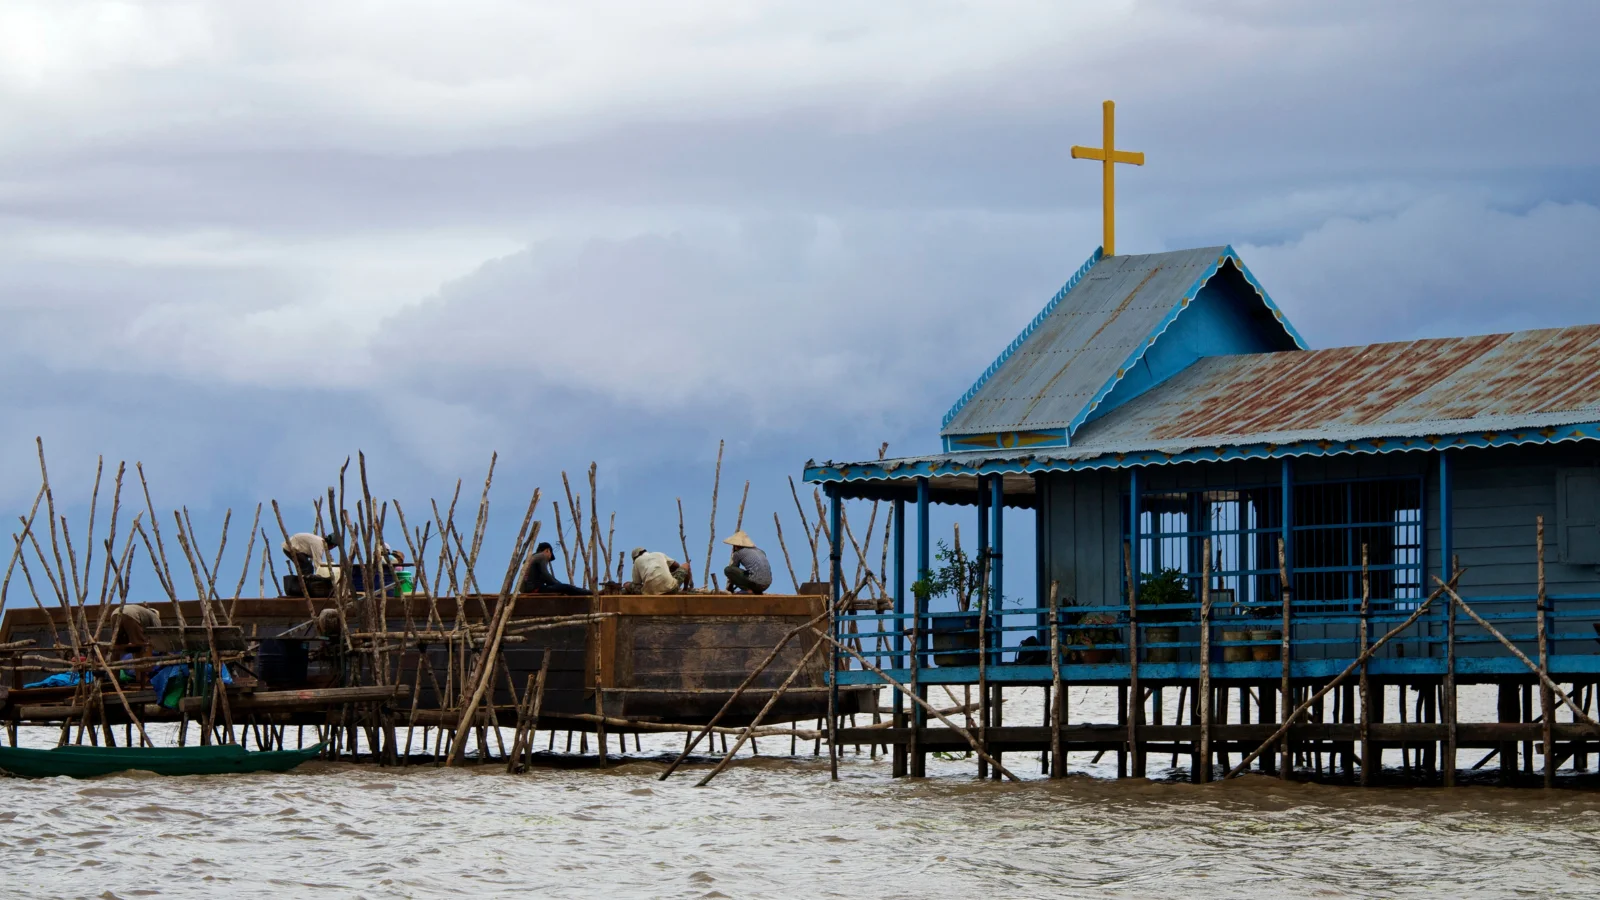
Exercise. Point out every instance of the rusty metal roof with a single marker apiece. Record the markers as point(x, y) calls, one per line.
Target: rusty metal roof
point(1492, 390)
point(1523, 379)
point(1094, 330)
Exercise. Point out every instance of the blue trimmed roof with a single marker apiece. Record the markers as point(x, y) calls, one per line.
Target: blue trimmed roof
point(1064, 368)
point(1497, 390)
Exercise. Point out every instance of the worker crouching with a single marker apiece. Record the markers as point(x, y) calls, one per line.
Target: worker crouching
point(748, 572)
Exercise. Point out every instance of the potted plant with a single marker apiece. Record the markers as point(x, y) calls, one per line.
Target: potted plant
point(954, 634)
point(1089, 633)
point(1165, 588)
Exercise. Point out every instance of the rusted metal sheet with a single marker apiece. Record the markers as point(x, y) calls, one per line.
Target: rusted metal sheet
point(1491, 390)
point(1408, 388)
point(1109, 315)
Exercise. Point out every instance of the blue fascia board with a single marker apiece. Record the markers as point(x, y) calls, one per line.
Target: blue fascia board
point(1099, 253)
point(1566, 664)
point(954, 465)
point(1189, 296)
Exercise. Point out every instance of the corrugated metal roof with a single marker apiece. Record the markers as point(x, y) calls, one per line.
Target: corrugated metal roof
point(1523, 379)
point(1526, 386)
point(1082, 344)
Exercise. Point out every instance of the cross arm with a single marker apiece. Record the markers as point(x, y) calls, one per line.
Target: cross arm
point(1117, 156)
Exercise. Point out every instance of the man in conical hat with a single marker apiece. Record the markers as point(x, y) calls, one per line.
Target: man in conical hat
point(748, 572)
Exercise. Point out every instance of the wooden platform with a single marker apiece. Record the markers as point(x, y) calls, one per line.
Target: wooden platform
point(663, 659)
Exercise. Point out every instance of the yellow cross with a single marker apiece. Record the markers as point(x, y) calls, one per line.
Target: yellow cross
point(1109, 155)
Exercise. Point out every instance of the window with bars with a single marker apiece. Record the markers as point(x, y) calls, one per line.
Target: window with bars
point(1331, 521)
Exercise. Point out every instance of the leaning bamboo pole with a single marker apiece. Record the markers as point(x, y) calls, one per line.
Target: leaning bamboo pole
point(1578, 714)
point(761, 716)
point(889, 679)
point(1288, 720)
point(738, 692)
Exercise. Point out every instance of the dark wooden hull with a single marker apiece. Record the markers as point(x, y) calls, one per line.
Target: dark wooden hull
point(654, 659)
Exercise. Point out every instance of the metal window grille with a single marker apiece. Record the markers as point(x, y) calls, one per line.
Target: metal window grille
point(1331, 521)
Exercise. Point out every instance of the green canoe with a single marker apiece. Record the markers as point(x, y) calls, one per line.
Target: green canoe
point(87, 762)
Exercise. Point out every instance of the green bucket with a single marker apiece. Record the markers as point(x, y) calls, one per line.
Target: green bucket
point(403, 581)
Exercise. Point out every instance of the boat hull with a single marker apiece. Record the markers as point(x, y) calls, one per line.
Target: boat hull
point(90, 762)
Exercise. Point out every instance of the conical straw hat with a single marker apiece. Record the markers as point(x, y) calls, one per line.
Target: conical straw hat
point(739, 539)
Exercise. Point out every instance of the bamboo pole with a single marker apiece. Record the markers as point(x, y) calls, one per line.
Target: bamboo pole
point(158, 553)
point(776, 523)
point(984, 711)
point(1203, 690)
point(249, 553)
point(483, 676)
point(1285, 698)
point(1577, 712)
point(1368, 760)
point(683, 540)
point(711, 542)
point(805, 526)
point(1135, 710)
point(1283, 728)
point(1058, 762)
point(111, 531)
point(772, 701)
point(577, 528)
point(1546, 700)
point(966, 735)
point(528, 719)
point(1450, 691)
point(738, 692)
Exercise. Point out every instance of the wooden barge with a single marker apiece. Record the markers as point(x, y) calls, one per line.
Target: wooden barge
point(654, 660)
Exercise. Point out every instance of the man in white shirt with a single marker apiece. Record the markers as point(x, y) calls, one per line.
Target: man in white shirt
point(656, 573)
point(309, 553)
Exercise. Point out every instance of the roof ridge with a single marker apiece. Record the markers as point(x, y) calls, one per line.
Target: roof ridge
point(1095, 257)
point(1193, 291)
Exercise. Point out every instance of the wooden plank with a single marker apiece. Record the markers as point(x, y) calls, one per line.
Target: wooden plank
point(315, 697)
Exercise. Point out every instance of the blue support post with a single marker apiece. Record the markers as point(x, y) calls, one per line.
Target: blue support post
point(1446, 525)
point(1446, 516)
point(899, 589)
point(919, 717)
point(1133, 532)
point(1287, 525)
point(835, 558)
point(1041, 553)
point(900, 629)
point(997, 538)
point(984, 547)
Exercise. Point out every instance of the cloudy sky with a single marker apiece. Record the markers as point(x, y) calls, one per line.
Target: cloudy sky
point(240, 242)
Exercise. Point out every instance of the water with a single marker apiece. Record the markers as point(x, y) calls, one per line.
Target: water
point(777, 827)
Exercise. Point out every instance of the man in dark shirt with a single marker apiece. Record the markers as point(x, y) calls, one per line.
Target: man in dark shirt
point(540, 580)
point(748, 571)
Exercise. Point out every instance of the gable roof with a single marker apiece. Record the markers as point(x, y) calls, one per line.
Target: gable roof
point(1497, 390)
point(1095, 329)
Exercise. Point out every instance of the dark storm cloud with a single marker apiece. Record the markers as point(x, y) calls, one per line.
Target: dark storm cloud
point(241, 242)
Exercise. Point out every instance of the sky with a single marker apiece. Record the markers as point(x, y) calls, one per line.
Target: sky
point(240, 243)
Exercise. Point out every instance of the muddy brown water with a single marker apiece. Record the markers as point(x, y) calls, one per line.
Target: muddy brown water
point(777, 827)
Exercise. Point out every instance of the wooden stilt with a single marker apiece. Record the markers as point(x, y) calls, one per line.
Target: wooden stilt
point(1284, 762)
point(1546, 700)
point(1203, 692)
point(1448, 691)
point(1368, 762)
point(1058, 763)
